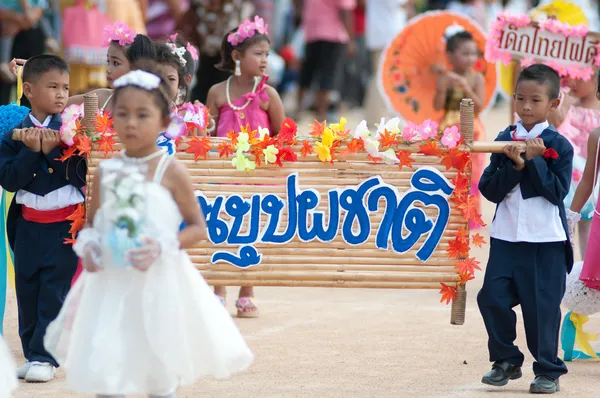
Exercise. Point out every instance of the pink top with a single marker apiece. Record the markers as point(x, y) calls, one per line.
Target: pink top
point(252, 115)
point(322, 20)
point(578, 125)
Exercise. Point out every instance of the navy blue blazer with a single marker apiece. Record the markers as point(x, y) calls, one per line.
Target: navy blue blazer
point(548, 178)
point(36, 172)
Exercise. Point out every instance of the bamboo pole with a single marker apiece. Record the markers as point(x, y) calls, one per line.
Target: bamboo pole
point(342, 284)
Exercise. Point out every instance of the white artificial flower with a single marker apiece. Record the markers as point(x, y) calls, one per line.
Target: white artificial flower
point(361, 131)
point(389, 157)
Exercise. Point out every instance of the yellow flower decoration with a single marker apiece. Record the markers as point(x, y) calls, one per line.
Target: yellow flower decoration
point(242, 142)
point(270, 154)
point(242, 163)
point(322, 152)
point(327, 138)
point(341, 126)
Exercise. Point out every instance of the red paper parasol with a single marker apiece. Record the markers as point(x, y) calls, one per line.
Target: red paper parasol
point(406, 74)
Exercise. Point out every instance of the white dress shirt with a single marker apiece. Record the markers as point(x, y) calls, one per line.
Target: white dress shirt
point(57, 199)
point(533, 220)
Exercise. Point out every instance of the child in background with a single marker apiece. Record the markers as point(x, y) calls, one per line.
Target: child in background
point(47, 192)
point(584, 197)
point(530, 250)
point(576, 118)
point(190, 56)
point(245, 99)
point(459, 83)
point(150, 323)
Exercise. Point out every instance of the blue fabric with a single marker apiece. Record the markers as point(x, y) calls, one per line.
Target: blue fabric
point(548, 178)
point(3, 265)
point(10, 117)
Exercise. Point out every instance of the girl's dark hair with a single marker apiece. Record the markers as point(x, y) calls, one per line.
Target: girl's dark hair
point(454, 41)
point(227, 63)
point(160, 94)
point(165, 56)
point(141, 48)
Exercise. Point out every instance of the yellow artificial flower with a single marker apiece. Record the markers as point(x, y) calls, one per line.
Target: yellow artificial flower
point(341, 126)
point(322, 152)
point(327, 137)
point(242, 163)
point(270, 154)
point(242, 142)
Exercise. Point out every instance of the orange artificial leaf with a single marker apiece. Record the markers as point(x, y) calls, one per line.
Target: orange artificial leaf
point(106, 144)
point(355, 145)
point(199, 147)
point(462, 184)
point(478, 240)
point(225, 149)
point(306, 149)
point(462, 235)
point(257, 152)
point(430, 149)
point(77, 219)
point(405, 159)
point(457, 248)
point(233, 137)
point(374, 159)
point(67, 153)
point(84, 145)
point(387, 139)
point(288, 131)
point(464, 278)
point(470, 210)
point(69, 241)
point(448, 293)
point(266, 141)
point(103, 123)
point(317, 129)
point(456, 159)
point(467, 266)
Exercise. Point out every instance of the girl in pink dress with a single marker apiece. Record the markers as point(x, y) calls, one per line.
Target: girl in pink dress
point(245, 100)
point(590, 274)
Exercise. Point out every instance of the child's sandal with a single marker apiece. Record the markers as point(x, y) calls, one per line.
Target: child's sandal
point(246, 308)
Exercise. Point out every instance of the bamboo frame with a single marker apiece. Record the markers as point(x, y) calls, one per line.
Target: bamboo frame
point(335, 263)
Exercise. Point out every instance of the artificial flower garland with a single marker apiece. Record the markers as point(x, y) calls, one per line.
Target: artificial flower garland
point(574, 71)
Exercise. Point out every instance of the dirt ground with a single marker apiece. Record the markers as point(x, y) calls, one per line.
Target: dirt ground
point(359, 343)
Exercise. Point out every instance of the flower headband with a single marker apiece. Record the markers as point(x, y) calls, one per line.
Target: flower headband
point(453, 30)
point(179, 52)
point(120, 32)
point(246, 30)
point(138, 78)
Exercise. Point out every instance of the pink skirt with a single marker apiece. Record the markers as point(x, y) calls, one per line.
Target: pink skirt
point(590, 274)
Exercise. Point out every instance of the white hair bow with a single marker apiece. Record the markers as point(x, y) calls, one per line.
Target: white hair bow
point(138, 78)
point(179, 52)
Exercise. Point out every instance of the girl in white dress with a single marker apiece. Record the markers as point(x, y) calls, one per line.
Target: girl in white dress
point(8, 372)
point(141, 319)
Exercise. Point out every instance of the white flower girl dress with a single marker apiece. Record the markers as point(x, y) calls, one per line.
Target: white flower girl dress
point(8, 372)
point(122, 331)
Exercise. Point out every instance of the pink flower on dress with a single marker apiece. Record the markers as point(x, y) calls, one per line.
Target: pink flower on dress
point(576, 176)
point(428, 129)
point(450, 137)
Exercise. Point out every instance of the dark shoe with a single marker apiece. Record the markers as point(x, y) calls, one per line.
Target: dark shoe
point(501, 373)
point(544, 385)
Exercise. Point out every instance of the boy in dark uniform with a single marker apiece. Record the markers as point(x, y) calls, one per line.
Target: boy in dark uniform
point(47, 191)
point(530, 252)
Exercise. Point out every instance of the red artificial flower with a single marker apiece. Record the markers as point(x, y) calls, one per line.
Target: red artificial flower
point(550, 153)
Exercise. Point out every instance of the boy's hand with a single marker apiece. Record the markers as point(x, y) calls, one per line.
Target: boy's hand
point(535, 147)
point(50, 140)
point(32, 140)
point(514, 153)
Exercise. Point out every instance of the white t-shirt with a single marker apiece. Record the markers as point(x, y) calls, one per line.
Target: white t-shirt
point(384, 20)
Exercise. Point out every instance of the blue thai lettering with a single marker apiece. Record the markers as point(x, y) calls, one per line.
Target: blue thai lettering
point(404, 221)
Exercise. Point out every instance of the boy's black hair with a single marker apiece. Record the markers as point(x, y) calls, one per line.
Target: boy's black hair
point(454, 41)
point(227, 63)
point(165, 56)
point(542, 74)
point(40, 64)
point(141, 48)
point(160, 94)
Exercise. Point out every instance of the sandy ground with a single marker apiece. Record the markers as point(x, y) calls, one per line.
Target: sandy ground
point(360, 343)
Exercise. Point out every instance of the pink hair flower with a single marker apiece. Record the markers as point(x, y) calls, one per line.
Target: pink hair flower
point(193, 51)
point(450, 137)
point(260, 25)
point(173, 37)
point(246, 30)
point(119, 32)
